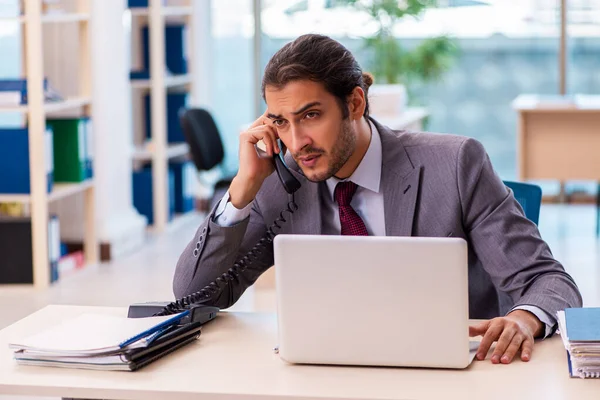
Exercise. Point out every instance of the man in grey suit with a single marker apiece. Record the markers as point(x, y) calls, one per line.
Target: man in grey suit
point(359, 177)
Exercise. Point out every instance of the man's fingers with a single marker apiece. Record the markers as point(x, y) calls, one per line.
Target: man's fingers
point(493, 332)
point(527, 349)
point(512, 349)
point(503, 343)
point(269, 142)
point(479, 329)
point(260, 120)
point(266, 135)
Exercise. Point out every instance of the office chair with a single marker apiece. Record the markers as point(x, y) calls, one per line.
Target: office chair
point(529, 197)
point(206, 145)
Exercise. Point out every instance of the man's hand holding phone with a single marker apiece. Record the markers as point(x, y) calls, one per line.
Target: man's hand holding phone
point(253, 169)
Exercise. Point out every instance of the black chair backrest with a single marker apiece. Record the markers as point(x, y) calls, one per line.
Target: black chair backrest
point(202, 135)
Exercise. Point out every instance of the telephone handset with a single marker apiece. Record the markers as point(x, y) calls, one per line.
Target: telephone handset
point(289, 181)
point(197, 301)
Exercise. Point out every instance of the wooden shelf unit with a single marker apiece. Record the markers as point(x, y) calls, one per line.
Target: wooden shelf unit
point(36, 111)
point(156, 16)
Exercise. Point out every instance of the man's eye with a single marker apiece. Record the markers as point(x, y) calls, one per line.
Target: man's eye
point(312, 114)
point(278, 122)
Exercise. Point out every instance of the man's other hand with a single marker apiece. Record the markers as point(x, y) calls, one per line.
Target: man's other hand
point(514, 332)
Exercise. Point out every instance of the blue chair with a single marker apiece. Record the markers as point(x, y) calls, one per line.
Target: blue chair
point(529, 197)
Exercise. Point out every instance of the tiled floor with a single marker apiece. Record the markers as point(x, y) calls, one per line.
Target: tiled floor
point(146, 275)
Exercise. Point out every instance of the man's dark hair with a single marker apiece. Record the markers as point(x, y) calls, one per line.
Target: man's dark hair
point(320, 59)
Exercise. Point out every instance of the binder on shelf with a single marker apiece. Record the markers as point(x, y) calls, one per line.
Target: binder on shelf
point(139, 75)
point(175, 102)
point(89, 148)
point(141, 3)
point(16, 249)
point(72, 161)
point(184, 174)
point(54, 247)
point(14, 160)
point(13, 92)
point(175, 48)
point(143, 190)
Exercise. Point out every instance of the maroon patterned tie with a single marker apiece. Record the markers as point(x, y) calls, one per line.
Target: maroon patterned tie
point(351, 223)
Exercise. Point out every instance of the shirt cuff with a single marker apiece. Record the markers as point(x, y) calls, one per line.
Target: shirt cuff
point(227, 214)
point(542, 316)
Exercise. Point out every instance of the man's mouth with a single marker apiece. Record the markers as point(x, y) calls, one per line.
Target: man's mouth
point(310, 160)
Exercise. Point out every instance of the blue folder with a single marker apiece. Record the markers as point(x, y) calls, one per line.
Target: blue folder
point(14, 161)
point(583, 324)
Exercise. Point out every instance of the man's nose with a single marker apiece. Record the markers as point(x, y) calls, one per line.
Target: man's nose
point(299, 139)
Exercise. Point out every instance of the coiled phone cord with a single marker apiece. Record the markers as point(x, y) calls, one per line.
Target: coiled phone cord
point(214, 288)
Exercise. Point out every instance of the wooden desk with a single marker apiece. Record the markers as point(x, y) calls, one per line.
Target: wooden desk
point(234, 359)
point(558, 140)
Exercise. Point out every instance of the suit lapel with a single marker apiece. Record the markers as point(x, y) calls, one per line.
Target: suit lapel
point(400, 182)
point(307, 219)
point(399, 201)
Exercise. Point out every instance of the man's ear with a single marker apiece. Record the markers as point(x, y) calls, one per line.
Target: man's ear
point(357, 103)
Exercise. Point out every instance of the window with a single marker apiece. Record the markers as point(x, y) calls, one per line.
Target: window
point(232, 69)
point(507, 47)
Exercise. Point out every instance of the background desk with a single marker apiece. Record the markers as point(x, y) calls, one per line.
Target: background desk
point(234, 359)
point(558, 142)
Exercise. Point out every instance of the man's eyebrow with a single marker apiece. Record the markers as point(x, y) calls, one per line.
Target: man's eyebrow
point(300, 111)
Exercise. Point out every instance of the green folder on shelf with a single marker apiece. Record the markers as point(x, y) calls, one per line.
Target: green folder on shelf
point(69, 149)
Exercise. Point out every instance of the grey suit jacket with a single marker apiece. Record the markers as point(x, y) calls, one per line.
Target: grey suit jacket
point(433, 185)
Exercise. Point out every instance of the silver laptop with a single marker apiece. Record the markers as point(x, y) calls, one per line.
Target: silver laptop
point(377, 301)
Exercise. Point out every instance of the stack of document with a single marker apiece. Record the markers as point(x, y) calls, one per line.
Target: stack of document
point(580, 332)
point(105, 342)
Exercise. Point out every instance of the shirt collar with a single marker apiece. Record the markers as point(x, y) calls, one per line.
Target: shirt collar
point(368, 172)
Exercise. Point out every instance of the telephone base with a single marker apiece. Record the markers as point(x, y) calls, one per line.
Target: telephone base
point(199, 314)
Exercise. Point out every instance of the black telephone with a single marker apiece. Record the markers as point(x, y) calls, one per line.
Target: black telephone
point(200, 312)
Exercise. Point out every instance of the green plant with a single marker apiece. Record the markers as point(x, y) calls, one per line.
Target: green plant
point(392, 63)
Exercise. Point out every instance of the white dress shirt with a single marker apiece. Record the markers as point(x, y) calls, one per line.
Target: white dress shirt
point(367, 202)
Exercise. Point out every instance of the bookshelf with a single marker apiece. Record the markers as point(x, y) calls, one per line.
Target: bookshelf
point(157, 149)
point(35, 113)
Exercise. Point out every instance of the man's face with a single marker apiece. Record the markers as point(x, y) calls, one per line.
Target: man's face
point(309, 122)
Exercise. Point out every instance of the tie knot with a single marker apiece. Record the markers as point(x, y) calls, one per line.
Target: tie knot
point(344, 192)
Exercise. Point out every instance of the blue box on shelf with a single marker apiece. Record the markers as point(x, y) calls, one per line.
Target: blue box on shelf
point(184, 174)
point(142, 193)
point(14, 160)
point(14, 91)
point(175, 49)
point(175, 101)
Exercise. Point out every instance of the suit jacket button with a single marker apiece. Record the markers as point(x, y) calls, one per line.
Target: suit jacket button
point(196, 252)
point(197, 245)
